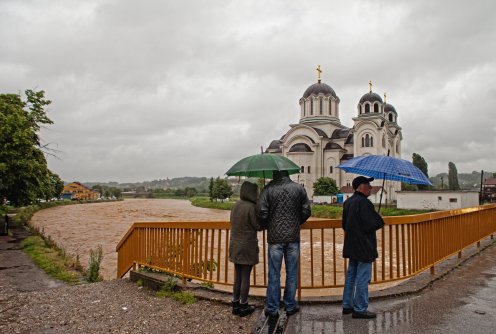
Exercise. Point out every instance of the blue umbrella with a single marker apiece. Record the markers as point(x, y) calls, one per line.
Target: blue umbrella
point(386, 168)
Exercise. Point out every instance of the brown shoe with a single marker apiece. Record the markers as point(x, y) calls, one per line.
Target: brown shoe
point(364, 315)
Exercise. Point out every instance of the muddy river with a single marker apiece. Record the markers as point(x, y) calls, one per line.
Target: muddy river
point(81, 227)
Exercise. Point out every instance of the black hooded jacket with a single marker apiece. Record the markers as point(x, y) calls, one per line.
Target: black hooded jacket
point(360, 222)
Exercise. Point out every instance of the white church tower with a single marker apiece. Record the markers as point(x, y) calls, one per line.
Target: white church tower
point(319, 142)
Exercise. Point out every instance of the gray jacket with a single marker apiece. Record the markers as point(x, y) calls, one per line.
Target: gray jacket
point(243, 242)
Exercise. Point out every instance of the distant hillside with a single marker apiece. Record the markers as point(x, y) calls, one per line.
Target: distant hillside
point(180, 182)
point(466, 180)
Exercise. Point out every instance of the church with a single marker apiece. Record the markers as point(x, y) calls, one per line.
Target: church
point(319, 142)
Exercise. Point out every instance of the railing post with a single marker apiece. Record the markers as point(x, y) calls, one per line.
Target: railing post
point(185, 254)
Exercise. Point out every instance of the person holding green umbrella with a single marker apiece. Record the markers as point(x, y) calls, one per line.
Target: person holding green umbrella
point(283, 206)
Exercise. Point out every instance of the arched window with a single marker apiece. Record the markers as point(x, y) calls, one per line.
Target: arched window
point(330, 109)
point(330, 170)
point(311, 107)
point(308, 169)
point(376, 107)
point(304, 107)
point(390, 116)
point(321, 105)
point(302, 169)
point(367, 108)
point(367, 141)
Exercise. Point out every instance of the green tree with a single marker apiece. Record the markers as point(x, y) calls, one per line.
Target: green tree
point(221, 189)
point(325, 186)
point(419, 162)
point(211, 189)
point(190, 191)
point(453, 177)
point(24, 175)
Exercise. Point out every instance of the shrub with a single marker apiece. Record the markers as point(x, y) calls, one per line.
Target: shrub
point(96, 256)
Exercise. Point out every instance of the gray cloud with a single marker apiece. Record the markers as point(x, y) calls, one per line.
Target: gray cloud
point(160, 89)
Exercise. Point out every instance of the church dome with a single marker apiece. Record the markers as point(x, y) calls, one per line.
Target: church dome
point(389, 108)
point(318, 88)
point(370, 97)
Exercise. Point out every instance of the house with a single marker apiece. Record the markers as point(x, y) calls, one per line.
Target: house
point(437, 199)
point(78, 191)
point(489, 190)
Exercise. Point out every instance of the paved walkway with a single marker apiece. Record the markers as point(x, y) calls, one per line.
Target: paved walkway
point(463, 301)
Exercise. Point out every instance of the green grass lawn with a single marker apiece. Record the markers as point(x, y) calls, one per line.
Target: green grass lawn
point(53, 261)
point(319, 211)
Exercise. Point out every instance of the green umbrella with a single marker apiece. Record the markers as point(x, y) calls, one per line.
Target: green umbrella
point(262, 165)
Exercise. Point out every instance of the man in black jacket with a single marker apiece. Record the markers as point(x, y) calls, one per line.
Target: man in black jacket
point(283, 206)
point(360, 223)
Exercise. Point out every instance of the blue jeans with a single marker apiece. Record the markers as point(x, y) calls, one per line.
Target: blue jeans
point(356, 286)
point(290, 252)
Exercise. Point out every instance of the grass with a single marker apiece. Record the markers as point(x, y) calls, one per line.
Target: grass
point(319, 211)
point(204, 202)
point(53, 261)
point(170, 290)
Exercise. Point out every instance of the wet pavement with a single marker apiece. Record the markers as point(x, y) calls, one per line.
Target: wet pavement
point(463, 301)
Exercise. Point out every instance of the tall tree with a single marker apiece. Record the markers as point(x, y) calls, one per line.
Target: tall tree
point(221, 189)
point(419, 162)
point(24, 175)
point(325, 186)
point(453, 177)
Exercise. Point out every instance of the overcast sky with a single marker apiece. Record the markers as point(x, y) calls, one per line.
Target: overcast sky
point(144, 90)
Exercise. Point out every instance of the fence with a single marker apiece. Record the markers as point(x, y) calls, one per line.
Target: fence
point(407, 245)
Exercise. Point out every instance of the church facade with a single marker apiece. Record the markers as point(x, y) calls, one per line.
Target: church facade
point(319, 142)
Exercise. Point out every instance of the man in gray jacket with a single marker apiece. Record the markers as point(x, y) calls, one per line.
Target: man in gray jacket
point(283, 206)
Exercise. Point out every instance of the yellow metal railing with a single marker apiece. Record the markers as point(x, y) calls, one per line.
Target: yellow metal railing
point(407, 245)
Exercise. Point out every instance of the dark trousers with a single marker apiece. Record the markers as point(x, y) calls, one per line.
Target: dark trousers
point(241, 286)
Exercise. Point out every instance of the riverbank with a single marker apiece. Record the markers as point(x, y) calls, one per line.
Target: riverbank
point(79, 228)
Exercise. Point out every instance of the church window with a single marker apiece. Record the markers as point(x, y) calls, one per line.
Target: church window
point(390, 117)
point(302, 169)
point(330, 109)
point(376, 107)
point(367, 108)
point(308, 169)
point(330, 170)
point(304, 107)
point(321, 106)
point(311, 107)
point(367, 141)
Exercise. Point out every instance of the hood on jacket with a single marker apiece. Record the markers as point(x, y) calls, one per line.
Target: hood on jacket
point(249, 192)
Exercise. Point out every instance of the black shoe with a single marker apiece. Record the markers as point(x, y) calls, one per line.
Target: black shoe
point(293, 311)
point(245, 309)
point(364, 315)
point(347, 310)
point(270, 315)
point(235, 308)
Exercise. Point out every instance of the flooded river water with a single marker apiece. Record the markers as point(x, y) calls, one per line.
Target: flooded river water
point(81, 227)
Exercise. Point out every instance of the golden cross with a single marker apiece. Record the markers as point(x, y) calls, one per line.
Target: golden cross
point(370, 85)
point(319, 71)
